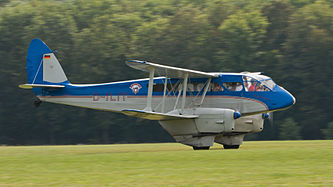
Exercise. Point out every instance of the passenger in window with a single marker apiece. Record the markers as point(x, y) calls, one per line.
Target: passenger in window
point(232, 86)
point(260, 88)
point(239, 86)
point(217, 87)
point(235, 86)
point(190, 87)
point(199, 87)
point(252, 88)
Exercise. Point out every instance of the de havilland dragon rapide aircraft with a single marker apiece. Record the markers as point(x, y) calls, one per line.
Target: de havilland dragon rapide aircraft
point(195, 107)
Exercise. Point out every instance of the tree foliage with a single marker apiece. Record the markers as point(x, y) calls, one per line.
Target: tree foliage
point(240, 38)
point(328, 132)
point(289, 130)
point(289, 40)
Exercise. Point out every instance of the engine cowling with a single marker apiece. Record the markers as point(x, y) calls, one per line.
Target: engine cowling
point(253, 123)
point(215, 120)
point(202, 130)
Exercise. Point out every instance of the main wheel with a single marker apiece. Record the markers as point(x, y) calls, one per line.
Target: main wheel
point(230, 146)
point(200, 148)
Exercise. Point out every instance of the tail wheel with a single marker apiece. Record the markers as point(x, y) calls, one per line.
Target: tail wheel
point(200, 148)
point(230, 146)
point(37, 103)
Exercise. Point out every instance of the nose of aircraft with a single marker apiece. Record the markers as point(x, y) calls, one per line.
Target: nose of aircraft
point(287, 99)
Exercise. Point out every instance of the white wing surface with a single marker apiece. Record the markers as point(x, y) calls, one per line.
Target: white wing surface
point(169, 71)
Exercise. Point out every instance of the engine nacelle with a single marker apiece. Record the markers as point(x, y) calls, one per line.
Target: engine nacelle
point(215, 120)
point(253, 123)
point(210, 120)
point(202, 130)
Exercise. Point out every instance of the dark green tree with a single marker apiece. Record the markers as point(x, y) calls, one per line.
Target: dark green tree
point(328, 132)
point(289, 130)
point(239, 40)
point(308, 65)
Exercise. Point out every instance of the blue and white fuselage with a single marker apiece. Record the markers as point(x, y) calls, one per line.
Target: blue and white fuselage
point(117, 96)
point(196, 108)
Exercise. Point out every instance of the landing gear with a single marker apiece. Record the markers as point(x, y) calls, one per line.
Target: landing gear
point(200, 148)
point(230, 146)
point(37, 103)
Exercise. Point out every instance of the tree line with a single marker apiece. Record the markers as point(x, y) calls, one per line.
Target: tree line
point(289, 40)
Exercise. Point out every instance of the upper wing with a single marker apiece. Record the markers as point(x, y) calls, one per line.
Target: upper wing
point(155, 115)
point(169, 71)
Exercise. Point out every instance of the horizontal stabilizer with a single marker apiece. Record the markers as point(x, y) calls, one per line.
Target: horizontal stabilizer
point(155, 115)
point(30, 86)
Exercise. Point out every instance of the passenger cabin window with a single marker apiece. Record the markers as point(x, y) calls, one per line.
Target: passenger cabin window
point(199, 86)
point(233, 86)
point(173, 86)
point(252, 85)
point(215, 87)
point(157, 87)
point(160, 87)
point(191, 87)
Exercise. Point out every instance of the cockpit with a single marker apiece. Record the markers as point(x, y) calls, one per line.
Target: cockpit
point(248, 83)
point(256, 87)
point(258, 83)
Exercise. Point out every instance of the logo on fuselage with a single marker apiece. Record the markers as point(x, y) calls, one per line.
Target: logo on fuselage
point(135, 88)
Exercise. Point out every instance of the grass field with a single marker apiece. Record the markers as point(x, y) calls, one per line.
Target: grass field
point(265, 163)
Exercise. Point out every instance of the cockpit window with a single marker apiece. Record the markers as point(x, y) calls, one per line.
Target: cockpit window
point(269, 83)
point(253, 85)
point(233, 86)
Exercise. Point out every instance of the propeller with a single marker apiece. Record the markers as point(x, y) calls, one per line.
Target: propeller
point(270, 119)
point(269, 123)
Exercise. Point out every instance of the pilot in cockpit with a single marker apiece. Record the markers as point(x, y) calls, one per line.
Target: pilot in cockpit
point(252, 87)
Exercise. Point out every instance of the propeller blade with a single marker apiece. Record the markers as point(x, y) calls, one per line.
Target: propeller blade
point(270, 119)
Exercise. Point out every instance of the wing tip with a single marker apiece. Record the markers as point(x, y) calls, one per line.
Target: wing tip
point(30, 86)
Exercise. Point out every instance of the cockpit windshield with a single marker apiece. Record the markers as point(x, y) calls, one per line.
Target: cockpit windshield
point(269, 83)
point(258, 83)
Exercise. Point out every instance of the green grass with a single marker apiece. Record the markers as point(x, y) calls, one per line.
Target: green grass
point(269, 163)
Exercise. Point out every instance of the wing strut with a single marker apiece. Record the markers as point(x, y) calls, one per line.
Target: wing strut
point(184, 91)
point(205, 91)
point(150, 88)
point(179, 92)
point(164, 92)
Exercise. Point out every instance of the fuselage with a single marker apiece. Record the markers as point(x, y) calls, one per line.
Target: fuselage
point(244, 92)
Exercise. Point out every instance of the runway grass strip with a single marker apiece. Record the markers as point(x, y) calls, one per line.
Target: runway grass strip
point(260, 163)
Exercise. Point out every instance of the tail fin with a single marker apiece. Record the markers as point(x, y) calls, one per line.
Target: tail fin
point(43, 66)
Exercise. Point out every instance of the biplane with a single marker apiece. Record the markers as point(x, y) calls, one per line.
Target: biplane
point(196, 108)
